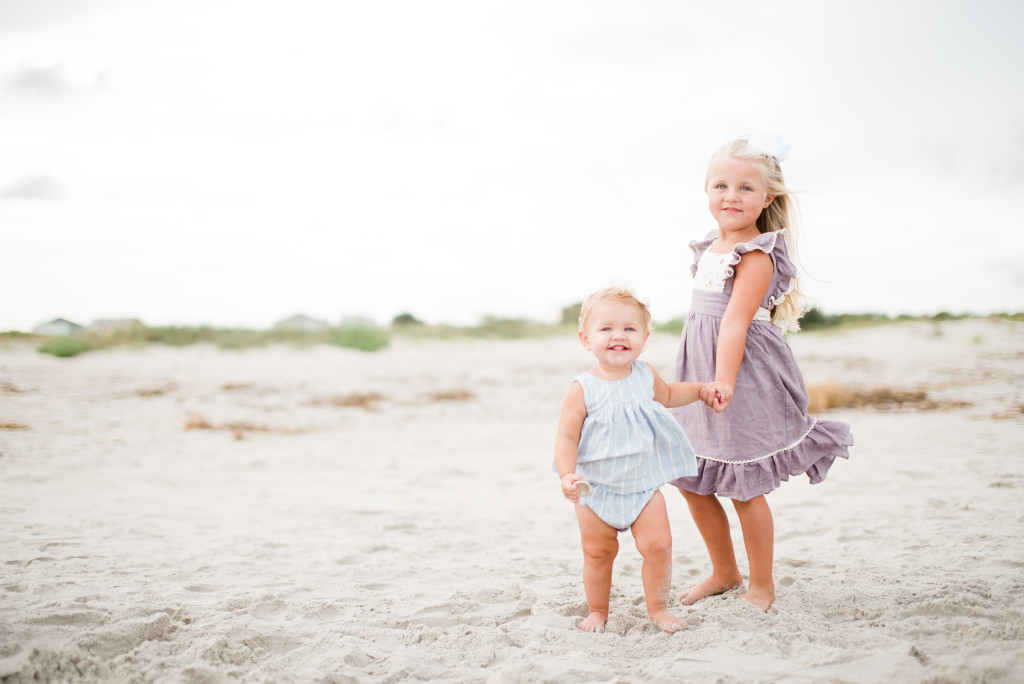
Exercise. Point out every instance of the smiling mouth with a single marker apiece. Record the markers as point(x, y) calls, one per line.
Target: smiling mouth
point(618, 347)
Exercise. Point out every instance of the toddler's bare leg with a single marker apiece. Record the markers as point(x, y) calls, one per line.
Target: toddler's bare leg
point(759, 541)
point(713, 525)
point(600, 545)
point(653, 537)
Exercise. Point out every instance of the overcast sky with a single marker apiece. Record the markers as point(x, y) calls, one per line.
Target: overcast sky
point(233, 162)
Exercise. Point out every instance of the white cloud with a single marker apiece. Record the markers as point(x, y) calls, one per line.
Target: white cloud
point(33, 188)
point(460, 158)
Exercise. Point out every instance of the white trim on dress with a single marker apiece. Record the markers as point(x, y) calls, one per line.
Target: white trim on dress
point(761, 458)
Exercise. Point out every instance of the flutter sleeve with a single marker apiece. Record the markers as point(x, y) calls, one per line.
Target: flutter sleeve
point(774, 244)
point(698, 247)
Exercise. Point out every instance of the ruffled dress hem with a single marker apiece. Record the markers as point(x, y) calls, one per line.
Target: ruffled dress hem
point(813, 454)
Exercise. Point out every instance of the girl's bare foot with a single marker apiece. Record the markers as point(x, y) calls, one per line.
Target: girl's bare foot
point(762, 598)
point(594, 622)
point(711, 586)
point(667, 621)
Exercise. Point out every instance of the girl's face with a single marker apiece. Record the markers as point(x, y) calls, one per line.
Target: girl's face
point(615, 332)
point(737, 195)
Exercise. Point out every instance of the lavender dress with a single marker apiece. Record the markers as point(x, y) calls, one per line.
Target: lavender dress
point(765, 435)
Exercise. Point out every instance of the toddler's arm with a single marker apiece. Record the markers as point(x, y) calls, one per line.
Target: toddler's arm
point(567, 441)
point(717, 395)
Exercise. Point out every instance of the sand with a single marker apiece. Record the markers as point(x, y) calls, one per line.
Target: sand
point(326, 515)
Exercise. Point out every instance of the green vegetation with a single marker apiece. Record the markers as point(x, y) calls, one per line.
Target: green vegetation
point(63, 347)
point(490, 328)
point(14, 335)
point(404, 319)
point(815, 319)
point(369, 338)
point(571, 314)
point(512, 328)
point(363, 338)
point(674, 326)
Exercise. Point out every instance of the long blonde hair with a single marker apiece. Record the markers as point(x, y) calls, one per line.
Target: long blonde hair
point(781, 214)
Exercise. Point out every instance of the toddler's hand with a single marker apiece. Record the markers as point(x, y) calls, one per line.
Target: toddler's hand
point(717, 395)
point(569, 489)
point(723, 394)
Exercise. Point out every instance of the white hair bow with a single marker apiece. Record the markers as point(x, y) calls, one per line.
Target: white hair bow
point(769, 143)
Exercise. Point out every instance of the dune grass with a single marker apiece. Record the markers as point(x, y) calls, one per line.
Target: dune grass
point(827, 396)
point(363, 338)
point(488, 328)
point(371, 338)
point(63, 347)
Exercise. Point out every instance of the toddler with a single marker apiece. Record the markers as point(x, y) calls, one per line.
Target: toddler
point(617, 441)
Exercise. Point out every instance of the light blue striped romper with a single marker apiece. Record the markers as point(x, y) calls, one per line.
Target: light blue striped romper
point(629, 447)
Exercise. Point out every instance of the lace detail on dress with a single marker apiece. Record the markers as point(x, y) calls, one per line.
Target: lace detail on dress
point(713, 270)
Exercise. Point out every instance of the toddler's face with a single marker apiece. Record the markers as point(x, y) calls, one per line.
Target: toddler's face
point(737, 194)
point(615, 332)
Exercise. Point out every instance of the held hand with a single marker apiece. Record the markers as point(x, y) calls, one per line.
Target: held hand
point(709, 394)
point(569, 490)
point(723, 394)
point(717, 395)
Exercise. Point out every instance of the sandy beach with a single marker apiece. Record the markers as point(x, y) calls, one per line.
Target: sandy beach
point(327, 515)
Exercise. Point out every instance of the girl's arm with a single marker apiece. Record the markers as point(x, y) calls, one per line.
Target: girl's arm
point(567, 440)
point(673, 394)
point(753, 276)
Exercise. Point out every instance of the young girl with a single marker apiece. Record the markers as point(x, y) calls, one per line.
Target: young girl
point(617, 438)
point(745, 296)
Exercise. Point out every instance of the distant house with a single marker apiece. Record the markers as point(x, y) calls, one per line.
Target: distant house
point(302, 322)
point(56, 327)
point(104, 324)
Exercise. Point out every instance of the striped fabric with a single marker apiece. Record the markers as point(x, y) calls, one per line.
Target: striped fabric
point(630, 443)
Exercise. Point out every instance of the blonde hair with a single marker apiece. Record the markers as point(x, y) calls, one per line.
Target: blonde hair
point(781, 214)
point(617, 292)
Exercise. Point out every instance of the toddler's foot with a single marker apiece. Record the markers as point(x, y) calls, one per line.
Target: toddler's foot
point(762, 598)
point(710, 587)
point(594, 622)
point(667, 621)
